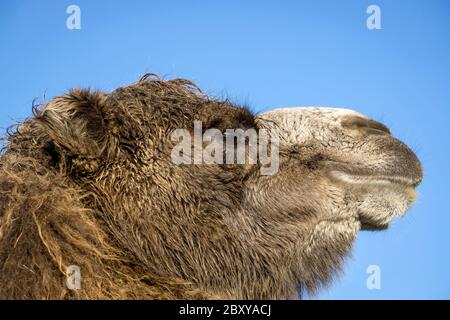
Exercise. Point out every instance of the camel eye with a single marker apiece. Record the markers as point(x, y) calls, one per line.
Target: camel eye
point(245, 119)
point(50, 150)
point(247, 123)
point(215, 123)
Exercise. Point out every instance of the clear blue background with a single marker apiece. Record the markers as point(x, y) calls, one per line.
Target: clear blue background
point(269, 54)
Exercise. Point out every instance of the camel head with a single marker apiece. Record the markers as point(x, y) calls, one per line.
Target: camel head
point(226, 228)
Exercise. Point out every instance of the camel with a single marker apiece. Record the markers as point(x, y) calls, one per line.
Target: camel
point(88, 181)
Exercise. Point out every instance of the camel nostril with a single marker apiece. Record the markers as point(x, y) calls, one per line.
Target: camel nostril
point(378, 126)
point(371, 126)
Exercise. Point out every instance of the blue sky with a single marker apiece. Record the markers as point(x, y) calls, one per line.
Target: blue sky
point(269, 54)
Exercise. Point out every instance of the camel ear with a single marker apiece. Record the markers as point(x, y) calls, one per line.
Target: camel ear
point(76, 128)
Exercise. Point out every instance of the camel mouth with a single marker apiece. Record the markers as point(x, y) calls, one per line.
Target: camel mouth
point(376, 179)
point(405, 171)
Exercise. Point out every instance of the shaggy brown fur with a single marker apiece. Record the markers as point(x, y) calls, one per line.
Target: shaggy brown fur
point(88, 181)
